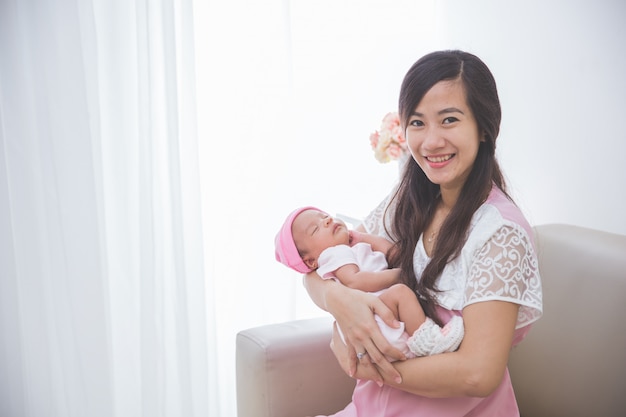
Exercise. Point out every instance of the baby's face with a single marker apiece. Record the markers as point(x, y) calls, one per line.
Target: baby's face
point(313, 231)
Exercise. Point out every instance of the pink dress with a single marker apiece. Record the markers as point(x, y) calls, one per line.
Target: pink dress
point(498, 262)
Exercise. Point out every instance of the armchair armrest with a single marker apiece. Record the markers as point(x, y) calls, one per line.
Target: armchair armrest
point(288, 370)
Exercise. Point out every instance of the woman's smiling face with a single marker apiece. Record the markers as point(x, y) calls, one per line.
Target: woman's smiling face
point(443, 135)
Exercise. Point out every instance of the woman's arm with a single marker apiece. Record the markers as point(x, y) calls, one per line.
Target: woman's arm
point(476, 369)
point(354, 311)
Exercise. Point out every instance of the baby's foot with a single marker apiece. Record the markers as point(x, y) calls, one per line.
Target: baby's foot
point(430, 339)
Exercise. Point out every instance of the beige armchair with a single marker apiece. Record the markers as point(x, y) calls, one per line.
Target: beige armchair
point(572, 364)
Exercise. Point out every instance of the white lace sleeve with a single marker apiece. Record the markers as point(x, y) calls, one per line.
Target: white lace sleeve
point(374, 222)
point(506, 269)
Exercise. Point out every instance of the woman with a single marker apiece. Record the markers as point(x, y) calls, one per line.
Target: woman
point(463, 246)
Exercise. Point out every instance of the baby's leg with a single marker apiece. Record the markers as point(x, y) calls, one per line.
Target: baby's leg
point(405, 306)
point(427, 338)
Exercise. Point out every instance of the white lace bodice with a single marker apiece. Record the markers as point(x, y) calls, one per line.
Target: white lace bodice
point(497, 262)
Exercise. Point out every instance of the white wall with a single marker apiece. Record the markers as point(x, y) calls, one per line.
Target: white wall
point(289, 91)
point(561, 72)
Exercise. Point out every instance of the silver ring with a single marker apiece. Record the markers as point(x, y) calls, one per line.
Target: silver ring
point(360, 355)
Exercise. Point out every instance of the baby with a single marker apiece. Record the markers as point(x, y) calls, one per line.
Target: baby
point(312, 240)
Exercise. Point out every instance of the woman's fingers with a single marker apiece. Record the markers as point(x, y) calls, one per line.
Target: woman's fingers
point(347, 358)
point(378, 348)
point(386, 315)
point(368, 370)
point(384, 348)
point(376, 357)
point(385, 351)
point(354, 312)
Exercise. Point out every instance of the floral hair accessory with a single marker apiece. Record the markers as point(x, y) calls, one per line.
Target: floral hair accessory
point(389, 143)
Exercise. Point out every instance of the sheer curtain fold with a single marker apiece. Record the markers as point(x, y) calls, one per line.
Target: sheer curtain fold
point(53, 279)
point(102, 294)
point(115, 240)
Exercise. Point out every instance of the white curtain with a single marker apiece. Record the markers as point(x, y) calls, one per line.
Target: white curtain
point(149, 150)
point(103, 306)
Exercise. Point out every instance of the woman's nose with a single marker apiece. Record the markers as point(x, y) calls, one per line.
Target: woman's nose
point(433, 139)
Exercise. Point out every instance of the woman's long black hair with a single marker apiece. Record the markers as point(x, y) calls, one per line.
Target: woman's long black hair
point(417, 197)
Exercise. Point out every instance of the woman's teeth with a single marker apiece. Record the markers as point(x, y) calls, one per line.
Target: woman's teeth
point(439, 158)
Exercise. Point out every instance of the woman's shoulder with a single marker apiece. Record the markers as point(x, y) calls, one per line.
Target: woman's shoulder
point(499, 212)
point(506, 207)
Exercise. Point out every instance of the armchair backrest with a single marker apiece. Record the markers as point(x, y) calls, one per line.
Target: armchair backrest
point(573, 362)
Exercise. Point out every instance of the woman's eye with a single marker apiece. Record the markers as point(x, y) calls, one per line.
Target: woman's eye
point(416, 123)
point(449, 120)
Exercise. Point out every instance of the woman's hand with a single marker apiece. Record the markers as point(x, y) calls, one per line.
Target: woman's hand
point(365, 370)
point(354, 311)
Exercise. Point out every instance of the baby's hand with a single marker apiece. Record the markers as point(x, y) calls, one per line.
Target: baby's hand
point(355, 237)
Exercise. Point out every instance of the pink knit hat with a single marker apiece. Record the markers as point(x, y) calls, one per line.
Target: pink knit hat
point(286, 251)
